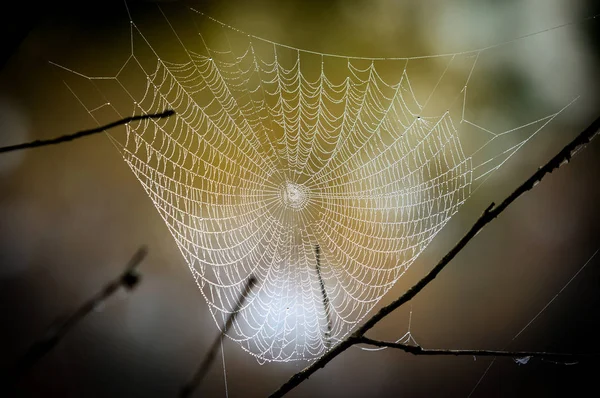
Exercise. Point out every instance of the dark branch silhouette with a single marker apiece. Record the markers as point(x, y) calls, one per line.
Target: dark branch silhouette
point(562, 157)
point(324, 294)
point(418, 350)
point(195, 381)
point(85, 133)
point(128, 280)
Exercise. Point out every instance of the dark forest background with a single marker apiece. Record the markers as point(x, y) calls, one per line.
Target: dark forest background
point(72, 215)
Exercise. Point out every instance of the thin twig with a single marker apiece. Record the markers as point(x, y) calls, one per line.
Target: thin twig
point(418, 350)
point(324, 294)
point(85, 133)
point(562, 157)
point(128, 279)
point(195, 381)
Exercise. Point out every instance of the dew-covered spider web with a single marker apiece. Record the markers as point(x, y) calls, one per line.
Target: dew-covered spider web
point(322, 175)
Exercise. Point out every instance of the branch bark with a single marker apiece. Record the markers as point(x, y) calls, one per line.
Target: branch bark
point(562, 157)
point(418, 350)
point(85, 133)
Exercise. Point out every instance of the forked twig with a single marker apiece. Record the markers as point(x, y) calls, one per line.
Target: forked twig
point(418, 350)
point(85, 133)
point(128, 280)
point(196, 379)
point(488, 215)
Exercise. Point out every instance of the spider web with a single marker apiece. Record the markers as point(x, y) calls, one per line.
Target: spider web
point(324, 176)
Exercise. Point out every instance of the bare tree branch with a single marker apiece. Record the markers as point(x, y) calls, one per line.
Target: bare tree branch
point(562, 157)
point(418, 350)
point(85, 133)
point(195, 381)
point(128, 279)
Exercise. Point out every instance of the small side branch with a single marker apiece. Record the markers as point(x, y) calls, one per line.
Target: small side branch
point(565, 358)
point(196, 379)
point(128, 280)
point(562, 157)
point(85, 133)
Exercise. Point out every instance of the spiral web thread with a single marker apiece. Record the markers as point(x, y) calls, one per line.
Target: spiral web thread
point(322, 175)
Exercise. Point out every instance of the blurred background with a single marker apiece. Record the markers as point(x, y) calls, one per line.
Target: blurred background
point(73, 214)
